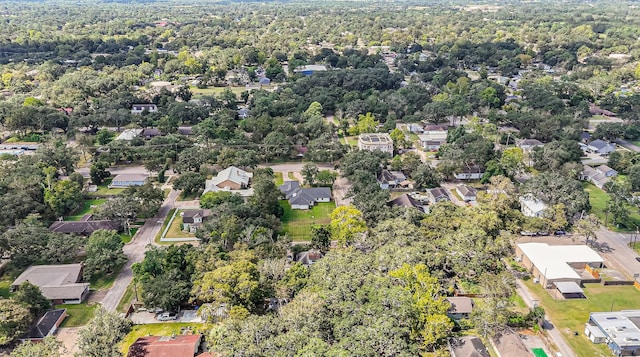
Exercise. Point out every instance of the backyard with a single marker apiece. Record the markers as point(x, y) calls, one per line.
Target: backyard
point(278, 178)
point(87, 208)
point(159, 329)
point(104, 190)
point(598, 201)
point(298, 223)
point(175, 230)
point(571, 315)
point(79, 314)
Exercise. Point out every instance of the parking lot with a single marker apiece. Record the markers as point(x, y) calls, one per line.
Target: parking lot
point(147, 317)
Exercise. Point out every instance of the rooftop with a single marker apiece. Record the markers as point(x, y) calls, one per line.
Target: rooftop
point(45, 324)
point(129, 134)
point(460, 305)
point(468, 346)
point(375, 138)
point(55, 281)
point(165, 346)
point(623, 327)
point(555, 259)
point(130, 177)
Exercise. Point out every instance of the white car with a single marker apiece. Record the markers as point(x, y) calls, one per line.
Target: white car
point(167, 316)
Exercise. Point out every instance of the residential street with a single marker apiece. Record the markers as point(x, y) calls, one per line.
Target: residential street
point(627, 145)
point(553, 332)
point(135, 252)
point(130, 170)
point(613, 247)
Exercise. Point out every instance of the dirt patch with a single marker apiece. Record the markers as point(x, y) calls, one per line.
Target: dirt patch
point(69, 338)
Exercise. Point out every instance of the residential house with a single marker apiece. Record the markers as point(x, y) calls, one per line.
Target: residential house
point(461, 307)
point(85, 228)
point(128, 180)
point(585, 137)
point(531, 206)
point(607, 171)
point(150, 133)
point(415, 128)
point(469, 173)
point(193, 219)
point(304, 198)
point(437, 194)
point(59, 283)
point(467, 346)
point(467, 193)
point(166, 346)
point(595, 110)
point(529, 144)
point(433, 136)
point(376, 141)
point(390, 179)
point(129, 134)
point(140, 108)
point(308, 257)
point(406, 200)
point(620, 330)
point(594, 176)
point(231, 179)
point(185, 130)
point(46, 325)
point(601, 147)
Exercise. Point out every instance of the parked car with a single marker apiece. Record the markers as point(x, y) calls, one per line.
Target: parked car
point(559, 233)
point(528, 234)
point(167, 316)
point(638, 259)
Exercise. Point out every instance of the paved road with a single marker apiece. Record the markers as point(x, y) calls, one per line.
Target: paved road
point(130, 170)
point(553, 333)
point(135, 252)
point(613, 248)
point(628, 145)
point(294, 167)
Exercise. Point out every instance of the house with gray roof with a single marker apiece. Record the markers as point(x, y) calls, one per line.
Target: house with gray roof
point(467, 346)
point(85, 228)
point(529, 144)
point(304, 198)
point(599, 176)
point(193, 219)
point(128, 180)
point(437, 194)
point(467, 193)
point(390, 179)
point(601, 147)
point(62, 284)
point(406, 200)
point(47, 325)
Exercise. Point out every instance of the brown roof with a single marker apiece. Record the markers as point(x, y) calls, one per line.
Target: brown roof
point(165, 346)
point(405, 201)
point(468, 346)
point(460, 305)
point(82, 227)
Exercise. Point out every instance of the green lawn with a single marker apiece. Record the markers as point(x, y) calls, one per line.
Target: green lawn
point(126, 238)
point(298, 223)
point(353, 141)
point(571, 315)
point(291, 176)
point(126, 299)
point(5, 284)
point(217, 90)
point(159, 329)
point(100, 282)
point(598, 200)
point(104, 190)
point(175, 231)
point(79, 314)
point(87, 208)
point(279, 180)
point(164, 225)
point(190, 197)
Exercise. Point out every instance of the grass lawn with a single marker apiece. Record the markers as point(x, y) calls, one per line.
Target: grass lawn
point(570, 315)
point(455, 194)
point(104, 190)
point(175, 231)
point(279, 180)
point(126, 238)
point(126, 299)
point(291, 176)
point(104, 281)
point(159, 329)
point(5, 284)
point(353, 141)
point(79, 314)
point(635, 142)
point(164, 225)
point(217, 90)
point(87, 208)
point(298, 223)
point(189, 197)
point(598, 200)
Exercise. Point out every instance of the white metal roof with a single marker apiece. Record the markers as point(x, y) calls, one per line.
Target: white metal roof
point(553, 260)
point(569, 287)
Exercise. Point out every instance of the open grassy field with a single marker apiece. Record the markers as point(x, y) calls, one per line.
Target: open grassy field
point(79, 314)
point(87, 208)
point(635, 142)
point(598, 200)
point(104, 190)
point(159, 329)
point(298, 223)
point(571, 315)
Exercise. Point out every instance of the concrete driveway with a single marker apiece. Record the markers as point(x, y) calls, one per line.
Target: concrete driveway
point(135, 252)
point(117, 170)
point(146, 317)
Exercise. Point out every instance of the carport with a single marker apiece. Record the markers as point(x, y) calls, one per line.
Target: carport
point(570, 290)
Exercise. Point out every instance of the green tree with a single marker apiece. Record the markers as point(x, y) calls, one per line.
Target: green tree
point(64, 197)
point(399, 140)
point(587, 227)
point(266, 195)
point(326, 177)
point(48, 347)
point(347, 223)
point(14, 320)
point(321, 238)
point(102, 335)
point(309, 172)
point(98, 172)
point(31, 296)
point(236, 284)
point(432, 325)
point(189, 183)
point(104, 253)
point(426, 177)
point(214, 199)
point(104, 136)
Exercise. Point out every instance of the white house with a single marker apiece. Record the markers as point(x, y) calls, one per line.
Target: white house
point(469, 173)
point(531, 206)
point(139, 108)
point(433, 136)
point(467, 193)
point(529, 144)
point(376, 141)
point(127, 180)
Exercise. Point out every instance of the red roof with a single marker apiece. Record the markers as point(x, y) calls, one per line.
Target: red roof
point(161, 346)
point(206, 354)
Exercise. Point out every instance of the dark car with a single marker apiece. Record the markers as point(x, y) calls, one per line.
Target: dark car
point(638, 259)
point(559, 233)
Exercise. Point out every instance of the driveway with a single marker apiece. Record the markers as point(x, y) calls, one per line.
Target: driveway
point(340, 188)
point(69, 338)
point(135, 252)
point(117, 170)
point(146, 317)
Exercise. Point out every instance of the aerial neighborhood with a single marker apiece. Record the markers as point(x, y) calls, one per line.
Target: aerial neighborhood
point(200, 178)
